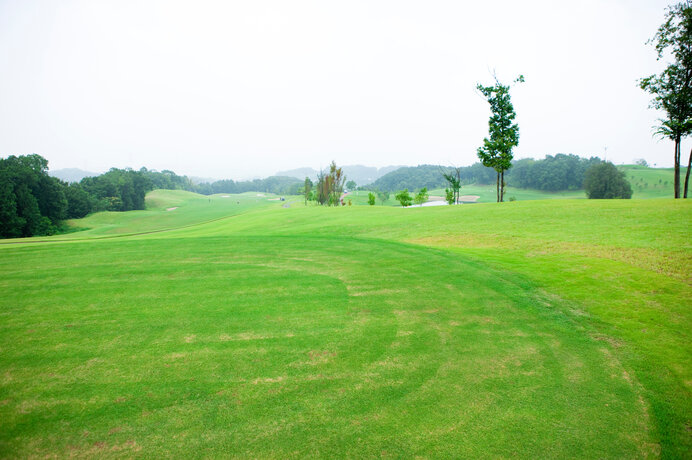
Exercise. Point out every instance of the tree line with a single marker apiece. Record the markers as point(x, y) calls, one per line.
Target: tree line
point(32, 203)
point(553, 173)
point(672, 88)
point(280, 185)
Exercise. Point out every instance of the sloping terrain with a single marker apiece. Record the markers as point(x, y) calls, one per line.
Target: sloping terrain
point(544, 329)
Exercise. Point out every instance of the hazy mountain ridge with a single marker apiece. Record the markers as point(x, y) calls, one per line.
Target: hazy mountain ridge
point(362, 175)
point(71, 174)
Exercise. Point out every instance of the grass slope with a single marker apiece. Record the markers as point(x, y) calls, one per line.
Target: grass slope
point(541, 329)
point(650, 182)
point(646, 183)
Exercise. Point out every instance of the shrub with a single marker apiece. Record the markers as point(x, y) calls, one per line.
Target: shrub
point(404, 198)
point(422, 196)
point(449, 196)
point(603, 180)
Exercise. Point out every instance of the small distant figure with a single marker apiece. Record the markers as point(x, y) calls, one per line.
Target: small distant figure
point(282, 199)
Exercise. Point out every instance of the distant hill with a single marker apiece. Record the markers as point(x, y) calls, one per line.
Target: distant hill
point(362, 175)
point(299, 173)
point(649, 182)
point(201, 180)
point(410, 177)
point(71, 174)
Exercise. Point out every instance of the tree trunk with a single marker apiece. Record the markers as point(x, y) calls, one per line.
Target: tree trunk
point(687, 176)
point(676, 165)
point(497, 187)
point(502, 186)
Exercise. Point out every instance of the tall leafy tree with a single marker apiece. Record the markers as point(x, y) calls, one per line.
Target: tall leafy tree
point(672, 88)
point(453, 178)
point(496, 151)
point(330, 185)
point(307, 190)
point(31, 202)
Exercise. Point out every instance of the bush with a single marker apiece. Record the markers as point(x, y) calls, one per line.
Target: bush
point(422, 196)
point(449, 196)
point(404, 198)
point(371, 199)
point(603, 180)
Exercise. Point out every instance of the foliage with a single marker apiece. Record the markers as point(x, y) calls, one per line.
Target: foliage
point(307, 190)
point(453, 178)
point(554, 173)
point(383, 196)
point(450, 196)
point(422, 196)
point(351, 185)
point(410, 177)
point(371, 199)
point(404, 198)
point(496, 151)
point(330, 185)
point(118, 189)
point(79, 202)
point(279, 185)
point(166, 180)
point(672, 88)
point(31, 202)
point(604, 180)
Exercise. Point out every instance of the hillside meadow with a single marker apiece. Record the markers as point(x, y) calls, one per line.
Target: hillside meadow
point(232, 326)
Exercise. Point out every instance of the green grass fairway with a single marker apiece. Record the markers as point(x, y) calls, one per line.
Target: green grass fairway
point(544, 329)
point(651, 182)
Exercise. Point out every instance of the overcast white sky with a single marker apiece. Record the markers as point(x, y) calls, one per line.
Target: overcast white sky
point(239, 89)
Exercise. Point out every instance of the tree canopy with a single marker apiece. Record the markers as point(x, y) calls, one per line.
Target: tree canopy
point(604, 180)
point(496, 151)
point(672, 88)
point(330, 185)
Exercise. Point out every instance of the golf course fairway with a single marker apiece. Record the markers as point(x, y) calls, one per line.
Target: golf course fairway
point(237, 327)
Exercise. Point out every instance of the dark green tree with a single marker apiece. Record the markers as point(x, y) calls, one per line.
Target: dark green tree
point(351, 185)
point(31, 202)
point(672, 88)
point(604, 180)
point(496, 151)
point(11, 224)
point(79, 202)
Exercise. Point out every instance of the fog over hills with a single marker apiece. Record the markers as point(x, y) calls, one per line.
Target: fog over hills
point(71, 174)
point(362, 175)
